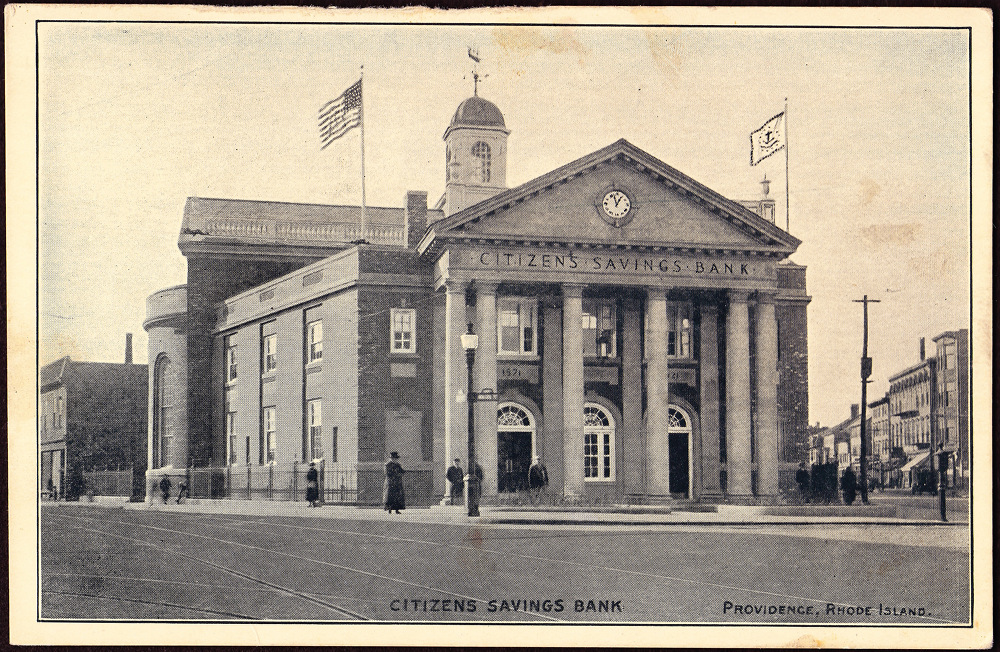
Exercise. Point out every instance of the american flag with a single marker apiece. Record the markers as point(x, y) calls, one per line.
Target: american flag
point(339, 116)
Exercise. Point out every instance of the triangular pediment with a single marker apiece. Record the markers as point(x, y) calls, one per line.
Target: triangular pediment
point(667, 210)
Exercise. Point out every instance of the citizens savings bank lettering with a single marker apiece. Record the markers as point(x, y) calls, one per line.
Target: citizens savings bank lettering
point(589, 262)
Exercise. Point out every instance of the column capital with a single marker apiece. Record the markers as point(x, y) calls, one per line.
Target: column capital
point(739, 296)
point(709, 309)
point(574, 290)
point(453, 286)
point(656, 293)
point(766, 297)
point(485, 287)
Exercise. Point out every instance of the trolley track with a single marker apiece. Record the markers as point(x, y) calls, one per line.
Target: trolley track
point(270, 551)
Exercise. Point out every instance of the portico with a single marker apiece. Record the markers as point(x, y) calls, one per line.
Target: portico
point(645, 363)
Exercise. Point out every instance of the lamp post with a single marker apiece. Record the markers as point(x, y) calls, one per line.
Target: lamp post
point(470, 342)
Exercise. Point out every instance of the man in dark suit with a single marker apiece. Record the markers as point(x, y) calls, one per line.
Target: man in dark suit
point(456, 476)
point(538, 479)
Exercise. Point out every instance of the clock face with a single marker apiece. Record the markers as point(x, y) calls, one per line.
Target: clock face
point(616, 204)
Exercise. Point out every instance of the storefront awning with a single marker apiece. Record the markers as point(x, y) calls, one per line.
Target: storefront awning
point(916, 461)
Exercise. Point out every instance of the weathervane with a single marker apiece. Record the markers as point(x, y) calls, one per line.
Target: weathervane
point(474, 55)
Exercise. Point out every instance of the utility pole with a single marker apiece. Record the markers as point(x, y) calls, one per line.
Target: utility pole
point(866, 372)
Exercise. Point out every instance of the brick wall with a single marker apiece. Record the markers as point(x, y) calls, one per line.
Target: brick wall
point(211, 279)
point(793, 366)
point(379, 391)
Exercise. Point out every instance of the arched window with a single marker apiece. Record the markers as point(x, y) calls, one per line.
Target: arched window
point(162, 436)
point(481, 153)
point(598, 443)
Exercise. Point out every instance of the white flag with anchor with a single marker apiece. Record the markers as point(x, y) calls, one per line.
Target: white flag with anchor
point(767, 140)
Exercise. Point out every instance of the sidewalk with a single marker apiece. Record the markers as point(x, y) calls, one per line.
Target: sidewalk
point(506, 515)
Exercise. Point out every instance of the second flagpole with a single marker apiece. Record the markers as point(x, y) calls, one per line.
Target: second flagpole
point(787, 206)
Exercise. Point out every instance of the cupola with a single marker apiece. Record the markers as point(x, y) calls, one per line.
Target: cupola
point(475, 154)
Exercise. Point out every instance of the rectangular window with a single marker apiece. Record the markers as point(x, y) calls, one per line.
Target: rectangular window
point(270, 421)
point(269, 353)
point(599, 328)
point(59, 411)
point(230, 361)
point(404, 330)
point(231, 438)
point(314, 334)
point(314, 448)
point(516, 326)
point(678, 330)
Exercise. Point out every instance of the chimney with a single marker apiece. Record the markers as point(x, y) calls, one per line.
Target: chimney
point(415, 216)
point(128, 348)
point(923, 350)
point(855, 410)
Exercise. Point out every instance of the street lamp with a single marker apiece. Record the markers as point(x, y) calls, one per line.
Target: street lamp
point(470, 342)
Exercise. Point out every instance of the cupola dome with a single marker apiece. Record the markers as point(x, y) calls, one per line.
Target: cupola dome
point(477, 112)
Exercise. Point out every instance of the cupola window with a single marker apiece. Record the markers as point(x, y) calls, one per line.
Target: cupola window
point(481, 154)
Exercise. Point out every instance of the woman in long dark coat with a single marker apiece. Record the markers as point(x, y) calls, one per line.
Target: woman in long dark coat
point(395, 499)
point(312, 485)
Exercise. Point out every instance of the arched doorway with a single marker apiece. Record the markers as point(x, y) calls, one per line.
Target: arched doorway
point(679, 435)
point(515, 446)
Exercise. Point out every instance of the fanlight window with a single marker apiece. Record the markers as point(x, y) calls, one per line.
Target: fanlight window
point(677, 420)
point(512, 416)
point(594, 416)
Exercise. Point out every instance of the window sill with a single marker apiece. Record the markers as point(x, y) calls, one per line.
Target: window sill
point(404, 355)
point(518, 357)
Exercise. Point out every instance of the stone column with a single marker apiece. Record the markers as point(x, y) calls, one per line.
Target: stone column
point(572, 390)
point(766, 417)
point(550, 445)
point(708, 361)
point(633, 446)
point(485, 377)
point(738, 396)
point(657, 395)
point(456, 443)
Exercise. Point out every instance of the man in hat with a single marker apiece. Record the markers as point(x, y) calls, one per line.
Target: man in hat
point(538, 479)
point(395, 499)
point(456, 476)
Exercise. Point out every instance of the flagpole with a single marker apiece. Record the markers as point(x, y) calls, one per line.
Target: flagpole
point(364, 207)
point(786, 165)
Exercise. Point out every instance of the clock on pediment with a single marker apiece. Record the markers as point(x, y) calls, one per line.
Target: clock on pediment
point(616, 205)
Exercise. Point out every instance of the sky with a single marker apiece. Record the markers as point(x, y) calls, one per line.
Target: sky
point(134, 118)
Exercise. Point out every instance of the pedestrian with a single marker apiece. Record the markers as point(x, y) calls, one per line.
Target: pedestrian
point(456, 476)
point(802, 479)
point(312, 485)
point(182, 491)
point(475, 488)
point(395, 498)
point(165, 485)
point(849, 485)
point(538, 479)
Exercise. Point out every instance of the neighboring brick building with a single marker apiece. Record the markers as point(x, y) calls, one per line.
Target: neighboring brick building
point(644, 335)
point(92, 416)
point(951, 411)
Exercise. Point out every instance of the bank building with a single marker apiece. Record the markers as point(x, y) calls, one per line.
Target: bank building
point(644, 335)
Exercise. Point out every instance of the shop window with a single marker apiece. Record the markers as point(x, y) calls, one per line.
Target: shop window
point(481, 154)
point(269, 353)
point(598, 443)
point(404, 330)
point(599, 327)
point(516, 326)
point(314, 410)
point(269, 444)
point(314, 333)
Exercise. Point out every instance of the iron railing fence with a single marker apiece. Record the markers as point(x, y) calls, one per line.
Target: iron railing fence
point(279, 481)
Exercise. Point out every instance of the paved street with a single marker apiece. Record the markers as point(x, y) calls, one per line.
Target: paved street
point(99, 563)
